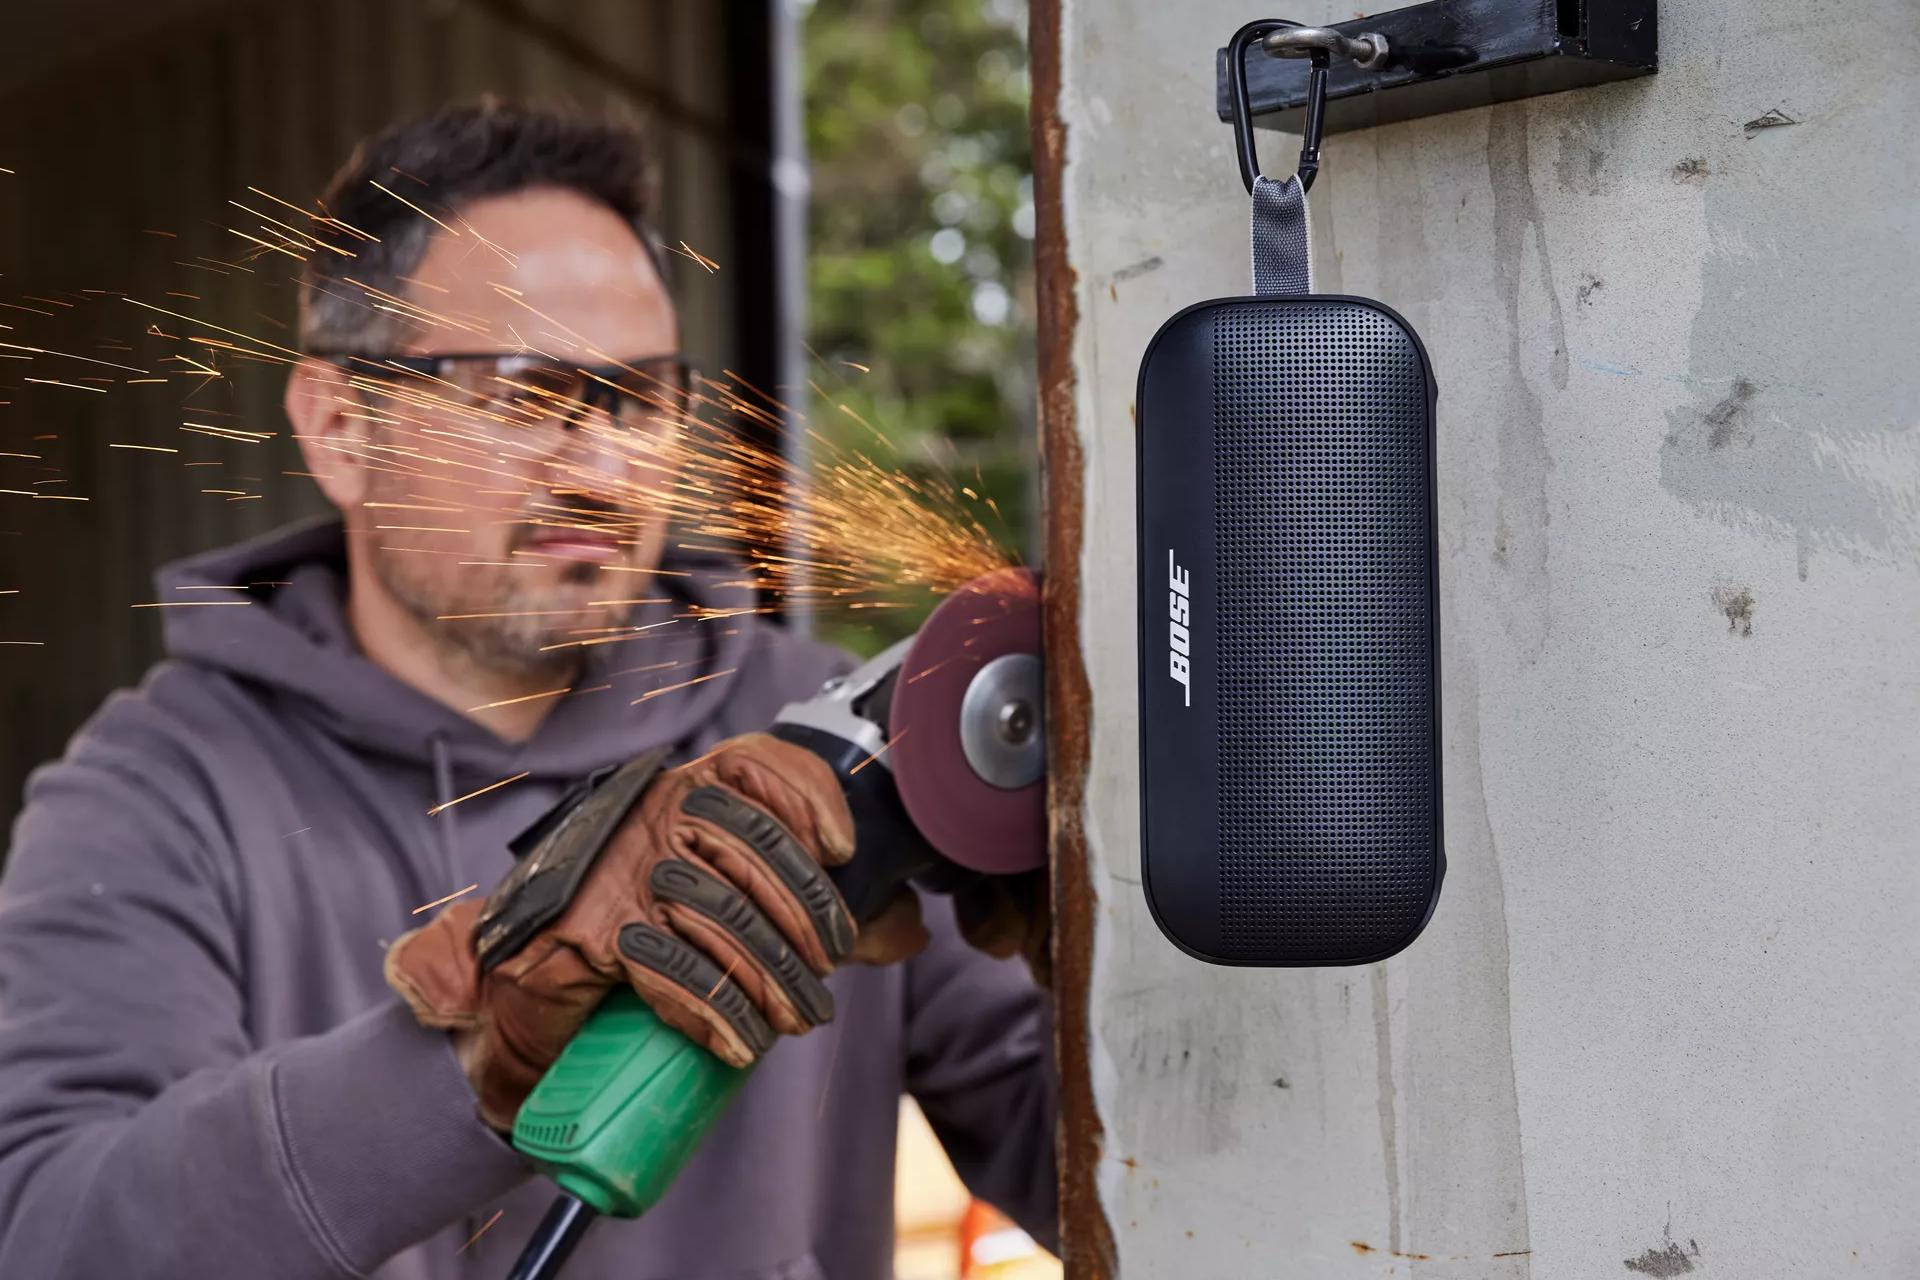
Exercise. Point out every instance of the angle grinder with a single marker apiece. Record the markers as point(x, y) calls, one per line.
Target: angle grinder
point(939, 745)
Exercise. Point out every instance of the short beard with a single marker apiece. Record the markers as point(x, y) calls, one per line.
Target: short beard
point(519, 647)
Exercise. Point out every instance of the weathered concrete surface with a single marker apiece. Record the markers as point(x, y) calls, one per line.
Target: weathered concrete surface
point(1667, 1017)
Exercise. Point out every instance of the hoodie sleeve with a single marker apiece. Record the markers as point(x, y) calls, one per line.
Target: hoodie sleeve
point(142, 1134)
point(980, 1063)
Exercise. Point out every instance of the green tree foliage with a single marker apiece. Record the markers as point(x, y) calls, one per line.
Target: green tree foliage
point(921, 255)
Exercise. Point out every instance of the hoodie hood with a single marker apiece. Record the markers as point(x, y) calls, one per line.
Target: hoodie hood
point(294, 641)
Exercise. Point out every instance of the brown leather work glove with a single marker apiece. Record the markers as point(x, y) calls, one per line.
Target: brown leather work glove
point(702, 887)
point(1008, 916)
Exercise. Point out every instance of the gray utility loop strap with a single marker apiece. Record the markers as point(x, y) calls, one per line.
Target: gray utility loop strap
point(1282, 258)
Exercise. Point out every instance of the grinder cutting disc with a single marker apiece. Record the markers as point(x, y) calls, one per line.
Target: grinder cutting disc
point(967, 727)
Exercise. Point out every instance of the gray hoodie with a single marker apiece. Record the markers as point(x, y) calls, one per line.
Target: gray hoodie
point(202, 1073)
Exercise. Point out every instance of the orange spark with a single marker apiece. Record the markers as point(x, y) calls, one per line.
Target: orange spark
point(508, 702)
point(884, 748)
point(700, 258)
point(512, 613)
point(482, 1231)
point(724, 977)
point(684, 684)
point(492, 786)
point(55, 382)
point(457, 893)
point(416, 208)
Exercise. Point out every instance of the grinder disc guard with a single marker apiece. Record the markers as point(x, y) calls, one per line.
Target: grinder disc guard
point(966, 725)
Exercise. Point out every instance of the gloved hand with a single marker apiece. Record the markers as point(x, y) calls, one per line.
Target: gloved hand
point(1008, 916)
point(702, 886)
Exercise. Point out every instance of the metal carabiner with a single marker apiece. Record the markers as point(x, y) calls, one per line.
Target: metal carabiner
point(1283, 39)
point(1368, 50)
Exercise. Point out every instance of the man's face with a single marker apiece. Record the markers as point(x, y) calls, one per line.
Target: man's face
point(508, 500)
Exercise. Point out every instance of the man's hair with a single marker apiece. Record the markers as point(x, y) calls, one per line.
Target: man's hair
point(443, 162)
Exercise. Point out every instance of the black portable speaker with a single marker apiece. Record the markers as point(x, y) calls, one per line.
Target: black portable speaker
point(1289, 614)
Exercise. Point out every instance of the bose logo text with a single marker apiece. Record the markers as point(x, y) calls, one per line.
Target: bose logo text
point(1178, 642)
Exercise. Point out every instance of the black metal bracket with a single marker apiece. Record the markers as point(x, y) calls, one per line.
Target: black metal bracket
point(1447, 55)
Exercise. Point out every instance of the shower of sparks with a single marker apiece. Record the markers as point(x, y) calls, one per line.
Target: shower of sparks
point(809, 523)
point(437, 902)
point(438, 809)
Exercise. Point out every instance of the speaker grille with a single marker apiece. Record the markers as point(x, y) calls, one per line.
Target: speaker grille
point(1324, 631)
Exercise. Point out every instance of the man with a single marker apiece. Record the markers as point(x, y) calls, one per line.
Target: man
point(203, 1069)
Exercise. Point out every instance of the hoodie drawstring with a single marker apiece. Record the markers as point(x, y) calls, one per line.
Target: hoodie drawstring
point(444, 821)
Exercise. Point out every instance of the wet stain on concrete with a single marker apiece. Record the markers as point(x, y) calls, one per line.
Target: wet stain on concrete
point(1749, 469)
point(1665, 1261)
point(1822, 456)
point(1578, 165)
point(1522, 460)
point(1737, 604)
point(1724, 417)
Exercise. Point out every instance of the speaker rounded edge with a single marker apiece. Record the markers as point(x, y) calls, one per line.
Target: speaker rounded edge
point(1163, 919)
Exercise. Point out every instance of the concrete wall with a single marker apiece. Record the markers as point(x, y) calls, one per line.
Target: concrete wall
point(1667, 1017)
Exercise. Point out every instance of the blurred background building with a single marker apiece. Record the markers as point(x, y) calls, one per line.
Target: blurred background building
point(902, 287)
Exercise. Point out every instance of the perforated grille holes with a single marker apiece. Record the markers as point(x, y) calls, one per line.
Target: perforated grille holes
point(1323, 631)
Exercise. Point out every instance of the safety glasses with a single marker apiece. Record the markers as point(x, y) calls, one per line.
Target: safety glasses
point(531, 390)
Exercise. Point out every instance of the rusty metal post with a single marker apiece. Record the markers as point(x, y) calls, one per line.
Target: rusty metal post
point(1086, 1240)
